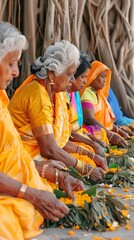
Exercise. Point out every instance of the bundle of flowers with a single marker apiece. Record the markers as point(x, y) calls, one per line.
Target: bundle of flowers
point(89, 210)
point(122, 157)
point(118, 177)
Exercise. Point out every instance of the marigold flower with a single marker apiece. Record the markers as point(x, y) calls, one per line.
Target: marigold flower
point(71, 233)
point(111, 190)
point(128, 227)
point(124, 213)
point(76, 227)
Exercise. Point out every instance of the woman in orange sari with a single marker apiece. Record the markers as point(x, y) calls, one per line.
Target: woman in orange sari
point(96, 109)
point(39, 111)
point(25, 198)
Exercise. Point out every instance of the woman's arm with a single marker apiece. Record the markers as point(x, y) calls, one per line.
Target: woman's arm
point(50, 149)
point(45, 202)
point(88, 115)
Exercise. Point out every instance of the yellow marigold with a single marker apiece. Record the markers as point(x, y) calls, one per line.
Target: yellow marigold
point(119, 194)
point(118, 152)
point(111, 190)
point(127, 187)
point(128, 227)
point(115, 238)
point(126, 206)
point(106, 186)
point(124, 213)
point(76, 227)
point(125, 190)
point(71, 233)
point(112, 170)
point(105, 213)
point(95, 224)
point(79, 199)
point(61, 226)
point(109, 224)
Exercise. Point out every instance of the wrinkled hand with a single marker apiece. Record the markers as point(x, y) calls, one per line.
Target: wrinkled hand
point(96, 175)
point(101, 162)
point(122, 133)
point(69, 183)
point(131, 127)
point(117, 140)
point(99, 150)
point(47, 204)
point(51, 163)
point(128, 131)
point(56, 164)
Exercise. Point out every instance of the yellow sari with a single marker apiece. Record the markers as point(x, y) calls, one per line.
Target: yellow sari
point(98, 100)
point(19, 219)
point(33, 116)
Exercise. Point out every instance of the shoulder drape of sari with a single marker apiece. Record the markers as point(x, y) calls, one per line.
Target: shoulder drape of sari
point(103, 111)
point(19, 218)
point(33, 115)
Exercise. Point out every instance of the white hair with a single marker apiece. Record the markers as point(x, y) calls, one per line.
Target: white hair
point(10, 39)
point(56, 58)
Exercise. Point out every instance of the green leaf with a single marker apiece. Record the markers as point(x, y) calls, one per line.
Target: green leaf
point(113, 147)
point(91, 191)
point(113, 165)
point(105, 150)
point(60, 194)
point(74, 173)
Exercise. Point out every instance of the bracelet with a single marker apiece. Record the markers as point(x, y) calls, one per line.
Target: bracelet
point(57, 178)
point(90, 172)
point(79, 165)
point(79, 150)
point(93, 156)
point(43, 172)
point(22, 191)
point(111, 136)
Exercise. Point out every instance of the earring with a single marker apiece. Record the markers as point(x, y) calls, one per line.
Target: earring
point(51, 82)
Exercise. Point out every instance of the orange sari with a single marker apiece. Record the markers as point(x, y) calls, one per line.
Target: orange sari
point(102, 109)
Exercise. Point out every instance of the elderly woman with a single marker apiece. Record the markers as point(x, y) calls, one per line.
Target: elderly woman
point(25, 198)
point(39, 109)
point(96, 109)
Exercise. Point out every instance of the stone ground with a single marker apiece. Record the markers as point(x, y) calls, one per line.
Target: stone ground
point(121, 233)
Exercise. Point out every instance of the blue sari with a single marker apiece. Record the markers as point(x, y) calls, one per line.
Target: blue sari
point(121, 120)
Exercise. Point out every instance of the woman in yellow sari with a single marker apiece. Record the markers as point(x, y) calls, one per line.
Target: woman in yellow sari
point(39, 111)
point(96, 109)
point(25, 199)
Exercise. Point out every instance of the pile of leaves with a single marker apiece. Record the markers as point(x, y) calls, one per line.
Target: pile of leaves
point(124, 160)
point(103, 212)
point(119, 178)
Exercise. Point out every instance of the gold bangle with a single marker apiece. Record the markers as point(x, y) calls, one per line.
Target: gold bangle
point(79, 165)
point(93, 156)
point(22, 191)
point(111, 136)
point(43, 172)
point(90, 172)
point(57, 178)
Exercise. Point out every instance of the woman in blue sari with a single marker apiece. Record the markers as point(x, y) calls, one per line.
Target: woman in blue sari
point(121, 119)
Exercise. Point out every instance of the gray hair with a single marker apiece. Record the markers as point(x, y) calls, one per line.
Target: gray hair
point(10, 39)
point(56, 58)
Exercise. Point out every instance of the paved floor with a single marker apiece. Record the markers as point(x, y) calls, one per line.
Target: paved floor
point(121, 233)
